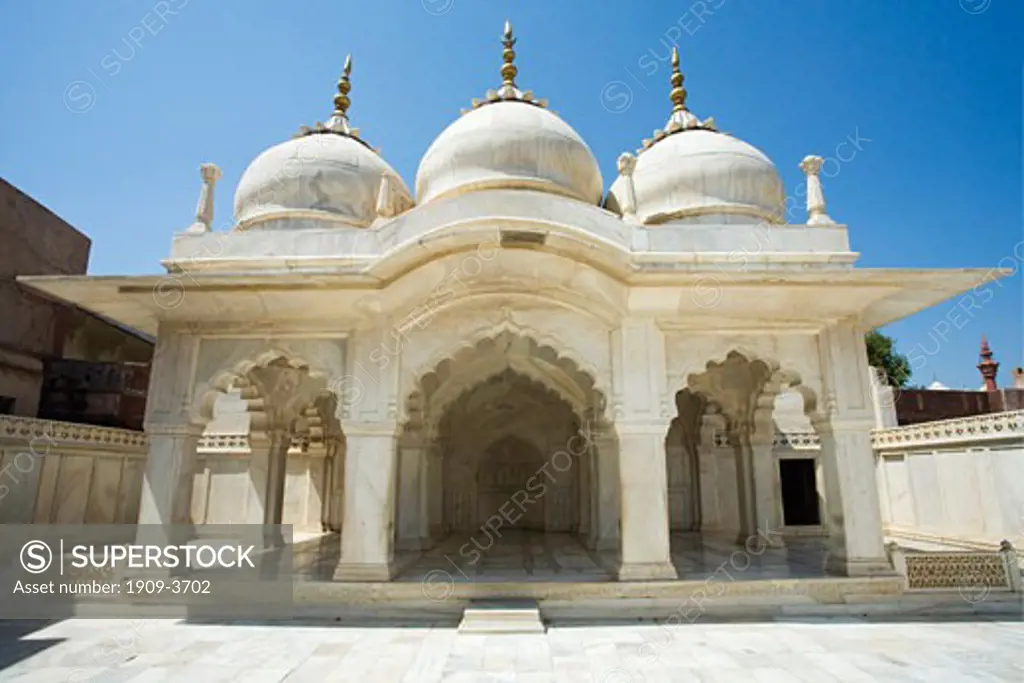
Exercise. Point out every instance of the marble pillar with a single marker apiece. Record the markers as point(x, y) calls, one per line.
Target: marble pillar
point(644, 492)
point(328, 498)
point(367, 549)
point(711, 427)
point(852, 508)
point(605, 510)
point(166, 497)
point(435, 490)
point(739, 440)
point(170, 469)
point(852, 512)
point(412, 523)
point(264, 504)
point(582, 471)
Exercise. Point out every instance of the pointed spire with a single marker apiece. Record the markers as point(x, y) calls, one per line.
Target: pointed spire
point(508, 89)
point(678, 94)
point(681, 118)
point(338, 123)
point(341, 100)
point(508, 68)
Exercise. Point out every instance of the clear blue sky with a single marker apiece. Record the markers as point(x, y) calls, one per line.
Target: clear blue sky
point(934, 88)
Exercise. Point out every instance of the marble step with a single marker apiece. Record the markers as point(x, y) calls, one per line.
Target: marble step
point(501, 616)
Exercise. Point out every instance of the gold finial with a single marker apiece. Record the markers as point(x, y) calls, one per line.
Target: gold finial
point(678, 94)
point(341, 100)
point(508, 69)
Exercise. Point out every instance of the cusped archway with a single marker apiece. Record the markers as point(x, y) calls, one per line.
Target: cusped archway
point(500, 420)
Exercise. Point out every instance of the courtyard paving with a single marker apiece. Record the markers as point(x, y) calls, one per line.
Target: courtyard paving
point(79, 650)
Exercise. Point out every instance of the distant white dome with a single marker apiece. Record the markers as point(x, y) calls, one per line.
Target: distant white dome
point(699, 175)
point(509, 145)
point(936, 385)
point(324, 175)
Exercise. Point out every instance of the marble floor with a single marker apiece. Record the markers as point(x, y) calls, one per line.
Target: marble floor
point(77, 650)
point(535, 556)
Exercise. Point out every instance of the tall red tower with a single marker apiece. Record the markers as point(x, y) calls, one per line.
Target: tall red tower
point(988, 367)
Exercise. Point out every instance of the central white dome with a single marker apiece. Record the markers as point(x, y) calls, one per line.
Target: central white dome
point(509, 144)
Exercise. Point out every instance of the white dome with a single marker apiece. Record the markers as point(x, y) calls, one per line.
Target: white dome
point(324, 175)
point(509, 144)
point(696, 175)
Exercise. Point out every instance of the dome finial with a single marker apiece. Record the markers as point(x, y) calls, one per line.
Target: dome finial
point(681, 117)
point(341, 100)
point(338, 123)
point(678, 94)
point(509, 90)
point(508, 68)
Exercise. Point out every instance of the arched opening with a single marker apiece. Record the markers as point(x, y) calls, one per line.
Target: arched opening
point(500, 465)
point(503, 437)
point(288, 468)
point(743, 469)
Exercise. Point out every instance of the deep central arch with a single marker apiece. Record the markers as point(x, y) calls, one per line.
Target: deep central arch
point(503, 426)
point(498, 444)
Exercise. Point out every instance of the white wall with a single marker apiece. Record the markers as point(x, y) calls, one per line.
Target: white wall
point(954, 481)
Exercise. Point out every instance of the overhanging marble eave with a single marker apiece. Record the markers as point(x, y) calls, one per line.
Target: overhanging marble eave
point(707, 298)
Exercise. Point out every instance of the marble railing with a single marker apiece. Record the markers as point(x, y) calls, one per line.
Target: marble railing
point(977, 428)
point(27, 429)
point(991, 426)
point(66, 473)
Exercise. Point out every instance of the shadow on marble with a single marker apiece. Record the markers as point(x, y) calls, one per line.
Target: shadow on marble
point(14, 647)
point(556, 557)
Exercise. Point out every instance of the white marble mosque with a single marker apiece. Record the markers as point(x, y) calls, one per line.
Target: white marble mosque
point(512, 347)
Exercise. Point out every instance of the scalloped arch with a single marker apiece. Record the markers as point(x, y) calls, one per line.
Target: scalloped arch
point(780, 378)
point(502, 431)
point(475, 361)
point(236, 375)
point(554, 346)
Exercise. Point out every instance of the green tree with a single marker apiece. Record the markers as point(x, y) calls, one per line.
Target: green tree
point(882, 356)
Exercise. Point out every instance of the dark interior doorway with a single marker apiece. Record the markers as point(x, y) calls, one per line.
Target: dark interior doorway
point(799, 492)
